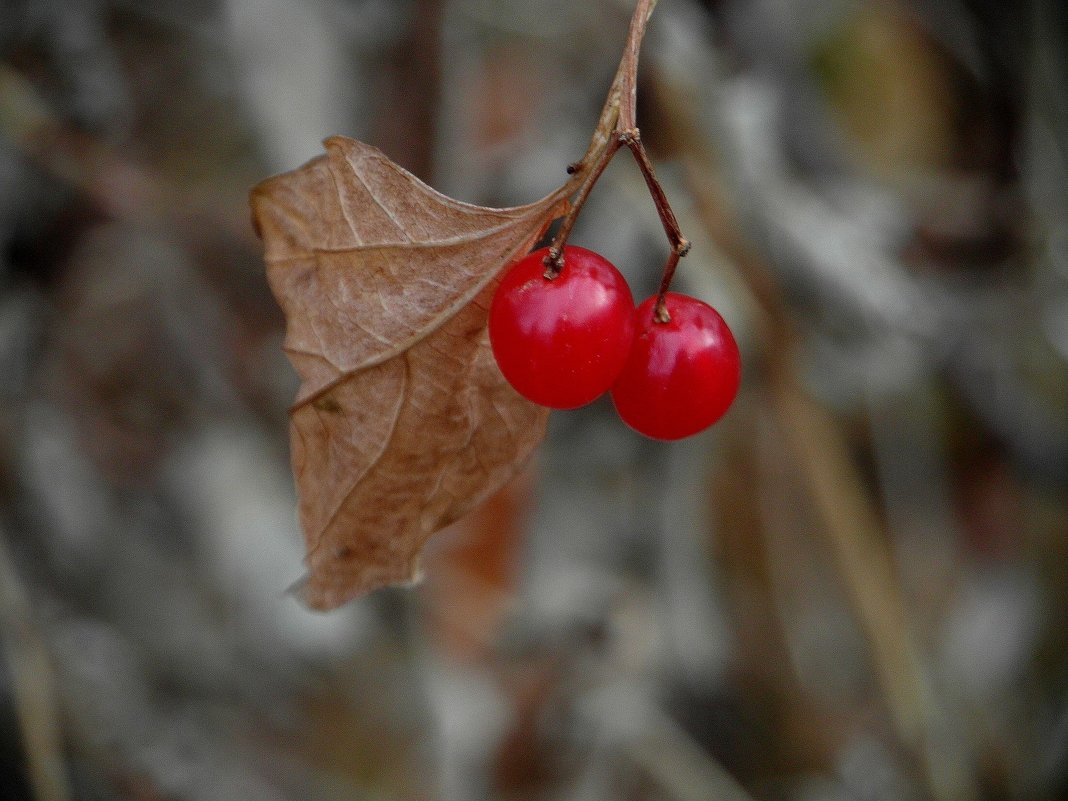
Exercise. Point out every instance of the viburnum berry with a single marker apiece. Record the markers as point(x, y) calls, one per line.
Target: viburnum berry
point(682, 375)
point(562, 341)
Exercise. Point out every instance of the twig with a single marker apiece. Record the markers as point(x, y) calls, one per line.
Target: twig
point(617, 126)
point(554, 261)
point(680, 245)
point(605, 140)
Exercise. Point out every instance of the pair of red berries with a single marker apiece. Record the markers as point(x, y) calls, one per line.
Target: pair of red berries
point(565, 341)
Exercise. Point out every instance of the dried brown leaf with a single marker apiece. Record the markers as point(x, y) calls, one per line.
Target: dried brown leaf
point(403, 422)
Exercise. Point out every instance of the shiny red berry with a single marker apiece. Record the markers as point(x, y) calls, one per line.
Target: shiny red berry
point(561, 342)
point(682, 375)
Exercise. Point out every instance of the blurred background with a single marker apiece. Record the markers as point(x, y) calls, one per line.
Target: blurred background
point(853, 587)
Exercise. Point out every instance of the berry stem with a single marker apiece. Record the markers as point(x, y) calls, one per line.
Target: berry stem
point(632, 139)
point(680, 245)
point(616, 127)
point(554, 260)
point(660, 311)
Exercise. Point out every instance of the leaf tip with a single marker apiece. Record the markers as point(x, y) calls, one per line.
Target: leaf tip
point(326, 588)
point(337, 140)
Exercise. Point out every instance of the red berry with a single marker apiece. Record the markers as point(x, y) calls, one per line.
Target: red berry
point(682, 375)
point(561, 342)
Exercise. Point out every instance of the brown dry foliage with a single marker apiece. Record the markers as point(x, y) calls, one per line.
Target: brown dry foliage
point(403, 421)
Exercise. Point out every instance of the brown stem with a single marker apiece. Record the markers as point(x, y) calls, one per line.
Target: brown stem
point(554, 261)
point(629, 65)
point(660, 313)
point(618, 111)
point(616, 127)
point(680, 245)
point(632, 139)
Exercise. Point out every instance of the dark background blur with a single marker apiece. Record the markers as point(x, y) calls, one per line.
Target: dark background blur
point(853, 587)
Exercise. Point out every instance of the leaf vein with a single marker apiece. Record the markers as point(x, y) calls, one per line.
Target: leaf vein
point(381, 205)
point(370, 467)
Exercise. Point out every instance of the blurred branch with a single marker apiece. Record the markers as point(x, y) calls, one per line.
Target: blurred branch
point(32, 682)
point(850, 525)
point(407, 117)
point(851, 530)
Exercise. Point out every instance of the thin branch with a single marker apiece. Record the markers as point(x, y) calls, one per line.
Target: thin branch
point(554, 261)
point(618, 112)
point(680, 245)
point(616, 127)
point(629, 65)
point(632, 139)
